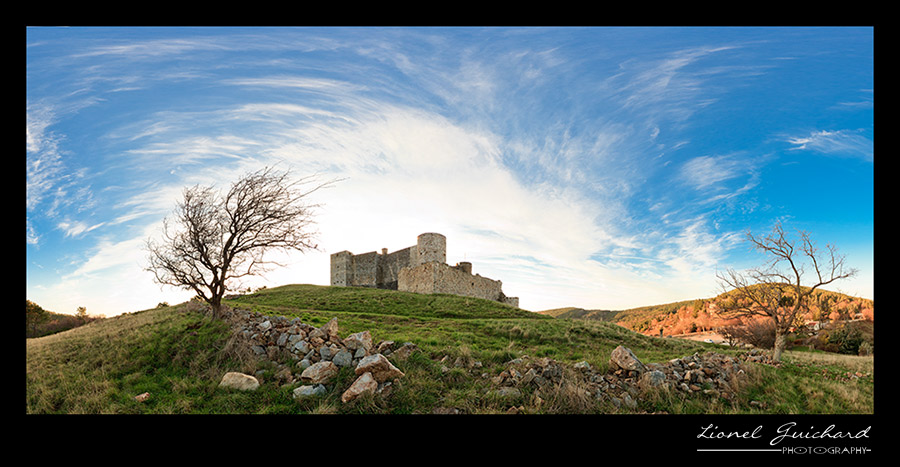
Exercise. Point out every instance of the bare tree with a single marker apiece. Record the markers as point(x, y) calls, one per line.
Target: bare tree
point(216, 239)
point(777, 289)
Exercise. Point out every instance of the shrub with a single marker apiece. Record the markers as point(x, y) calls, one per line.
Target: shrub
point(866, 348)
point(845, 340)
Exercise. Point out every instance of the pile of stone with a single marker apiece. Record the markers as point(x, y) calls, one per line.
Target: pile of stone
point(760, 356)
point(627, 378)
point(312, 356)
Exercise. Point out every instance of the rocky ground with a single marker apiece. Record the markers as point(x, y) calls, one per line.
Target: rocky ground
point(310, 357)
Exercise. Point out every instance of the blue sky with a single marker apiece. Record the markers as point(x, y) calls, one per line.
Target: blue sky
point(593, 167)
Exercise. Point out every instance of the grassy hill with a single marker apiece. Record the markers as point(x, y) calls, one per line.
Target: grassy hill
point(608, 316)
point(179, 356)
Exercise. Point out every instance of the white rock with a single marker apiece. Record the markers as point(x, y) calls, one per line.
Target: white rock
point(623, 358)
point(318, 373)
point(359, 340)
point(364, 384)
point(239, 381)
point(380, 367)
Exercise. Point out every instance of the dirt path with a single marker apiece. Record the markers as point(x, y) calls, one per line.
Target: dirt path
point(708, 336)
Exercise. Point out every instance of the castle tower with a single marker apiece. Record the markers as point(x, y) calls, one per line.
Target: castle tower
point(341, 268)
point(431, 247)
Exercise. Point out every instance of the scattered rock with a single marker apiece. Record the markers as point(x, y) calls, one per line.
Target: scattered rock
point(318, 373)
point(342, 358)
point(582, 365)
point(380, 367)
point(404, 351)
point(359, 340)
point(305, 392)
point(239, 381)
point(330, 328)
point(653, 378)
point(318, 353)
point(385, 347)
point(365, 384)
point(626, 380)
point(623, 358)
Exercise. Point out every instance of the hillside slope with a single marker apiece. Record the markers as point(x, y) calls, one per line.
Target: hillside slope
point(696, 315)
point(379, 301)
point(177, 356)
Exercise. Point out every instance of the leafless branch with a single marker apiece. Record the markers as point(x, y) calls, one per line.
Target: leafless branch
point(218, 239)
point(779, 289)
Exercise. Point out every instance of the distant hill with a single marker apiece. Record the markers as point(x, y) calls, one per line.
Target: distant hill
point(694, 315)
point(608, 316)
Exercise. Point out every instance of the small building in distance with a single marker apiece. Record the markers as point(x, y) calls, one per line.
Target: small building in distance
point(420, 268)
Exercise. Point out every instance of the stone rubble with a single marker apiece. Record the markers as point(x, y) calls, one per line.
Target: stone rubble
point(311, 357)
point(314, 357)
point(627, 380)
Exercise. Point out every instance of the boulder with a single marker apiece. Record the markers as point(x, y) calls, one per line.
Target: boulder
point(623, 358)
point(342, 358)
point(404, 351)
point(381, 369)
point(653, 378)
point(365, 384)
point(359, 340)
point(304, 392)
point(384, 347)
point(239, 381)
point(302, 347)
point(330, 328)
point(320, 372)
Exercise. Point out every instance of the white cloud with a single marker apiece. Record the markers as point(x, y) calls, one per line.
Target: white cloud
point(707, 171)
point(76, 228)
point(668, 85)
point(840, 143)
point(44, 167)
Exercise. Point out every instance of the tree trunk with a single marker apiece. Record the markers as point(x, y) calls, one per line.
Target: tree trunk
point(215, 306)
point(780, 341)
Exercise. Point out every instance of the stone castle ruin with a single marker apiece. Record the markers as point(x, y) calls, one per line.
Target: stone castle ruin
point(420, 268)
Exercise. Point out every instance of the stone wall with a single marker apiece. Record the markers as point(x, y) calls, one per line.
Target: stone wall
point(369, 269)
point(440, 278)
point(392, 263)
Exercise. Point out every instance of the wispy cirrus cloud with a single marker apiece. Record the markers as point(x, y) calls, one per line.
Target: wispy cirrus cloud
point(844, 143)
point(675, 85)
point(76, 228)
point(723, 176)
point(704, 172)
point(51, 186)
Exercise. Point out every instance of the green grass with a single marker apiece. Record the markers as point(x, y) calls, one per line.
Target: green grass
point(179, 356)
point(380, 302)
